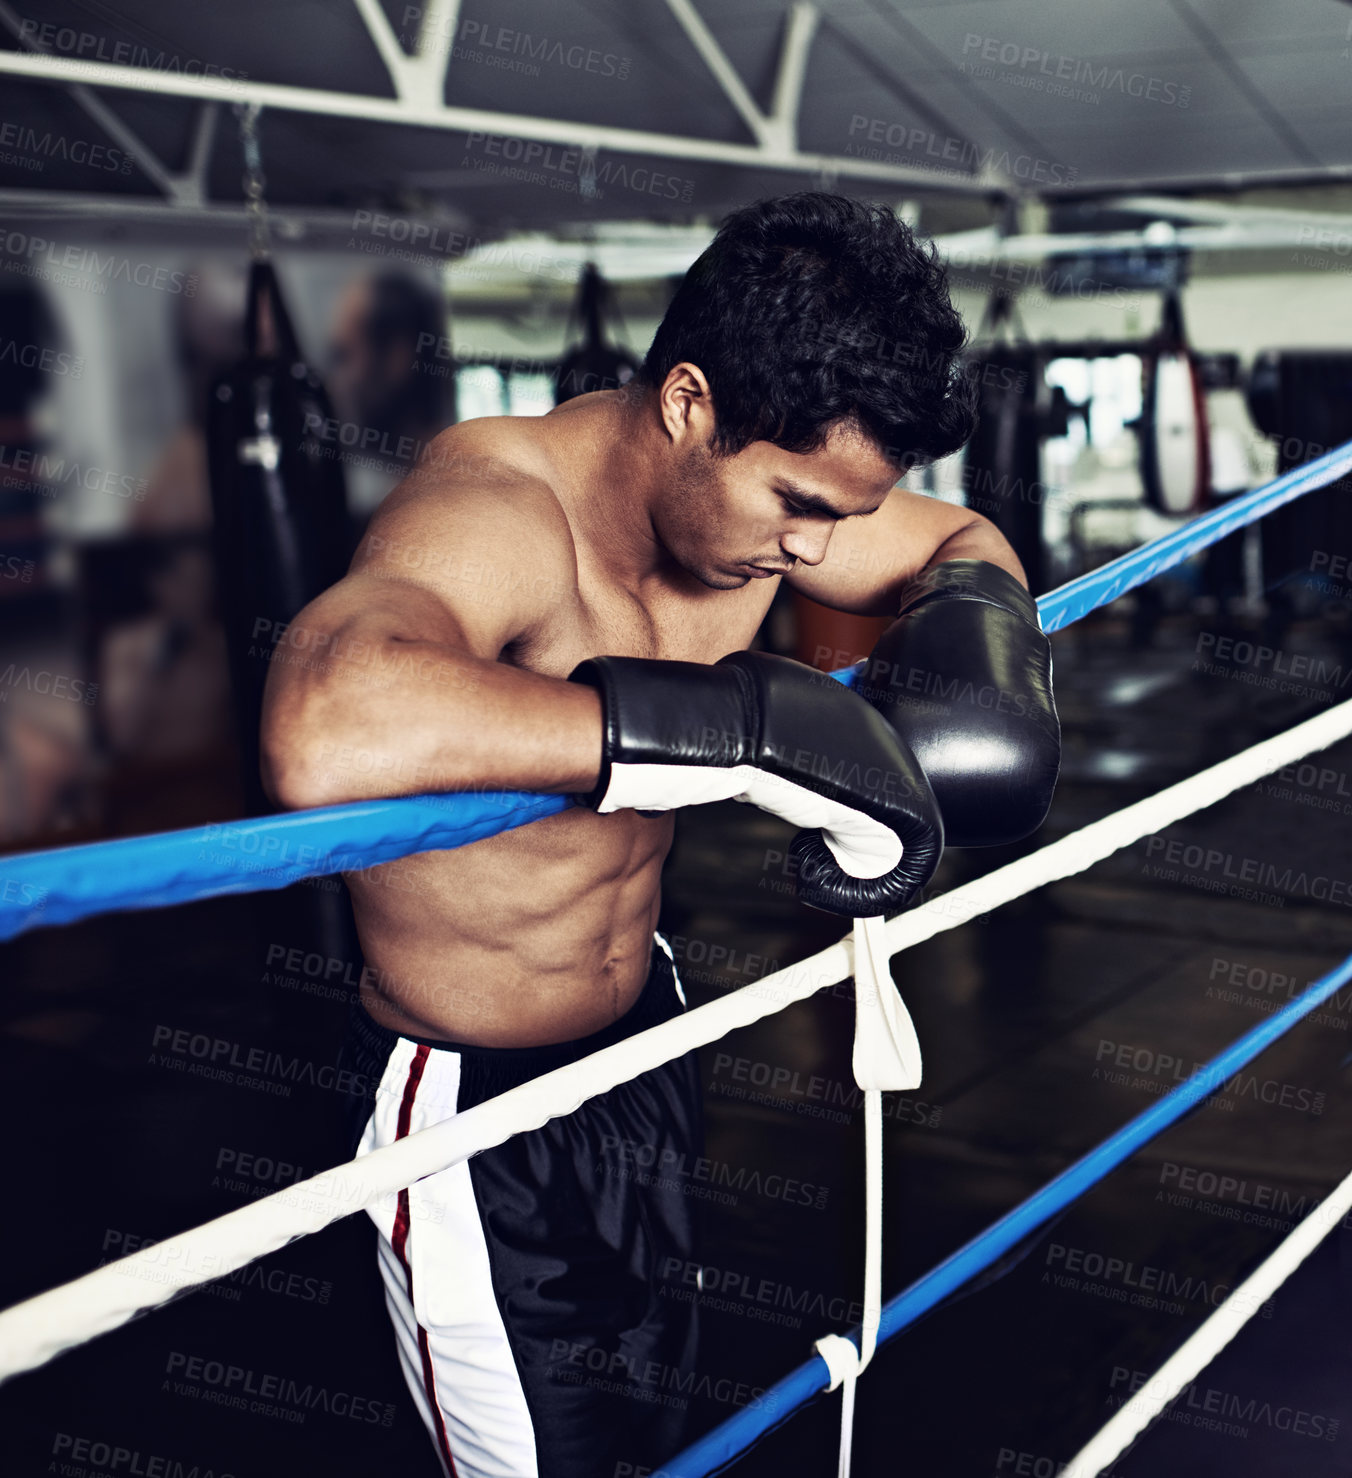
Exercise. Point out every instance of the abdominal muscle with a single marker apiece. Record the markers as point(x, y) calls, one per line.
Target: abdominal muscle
point(537, 935)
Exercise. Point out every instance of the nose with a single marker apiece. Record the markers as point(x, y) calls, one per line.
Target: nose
point(807, 548)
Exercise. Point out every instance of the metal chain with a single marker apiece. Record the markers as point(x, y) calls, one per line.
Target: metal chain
point(586, 174)
point(254, 181)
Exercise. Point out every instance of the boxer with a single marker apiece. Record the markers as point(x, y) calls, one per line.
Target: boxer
point(567, 604)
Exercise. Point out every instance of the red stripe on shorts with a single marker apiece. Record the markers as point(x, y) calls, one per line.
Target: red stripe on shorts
point(399, 1240)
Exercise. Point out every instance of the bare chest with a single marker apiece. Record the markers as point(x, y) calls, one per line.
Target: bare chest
point(609, 622)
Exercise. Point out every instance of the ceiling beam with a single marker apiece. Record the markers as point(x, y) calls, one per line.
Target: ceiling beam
point(424, 112)
point(420, 78)
point(721, 69)
point(141, 154)
point(793, 55)
point(1219, 211)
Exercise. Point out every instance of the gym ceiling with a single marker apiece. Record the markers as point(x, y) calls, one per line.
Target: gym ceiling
point(499, 116)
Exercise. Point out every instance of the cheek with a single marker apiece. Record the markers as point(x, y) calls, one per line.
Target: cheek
point(761, 525)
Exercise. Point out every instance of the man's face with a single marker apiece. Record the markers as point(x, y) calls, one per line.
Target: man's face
point(726, 520)
point(368, 383)
point(350, 367)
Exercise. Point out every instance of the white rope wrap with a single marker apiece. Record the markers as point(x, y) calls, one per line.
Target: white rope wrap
point(1210, 1338)
point(886, 1057)
point(844, 1362)
point(38, 1329)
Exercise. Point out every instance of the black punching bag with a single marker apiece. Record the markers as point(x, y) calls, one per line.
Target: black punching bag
point(593, 364)
point(1302, 399)
point(1002, 464)
point(281, 523)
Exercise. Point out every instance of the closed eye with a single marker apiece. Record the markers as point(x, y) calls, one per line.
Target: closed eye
point(799, 511)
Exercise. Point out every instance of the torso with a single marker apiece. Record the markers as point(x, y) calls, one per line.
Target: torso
point(543, 934)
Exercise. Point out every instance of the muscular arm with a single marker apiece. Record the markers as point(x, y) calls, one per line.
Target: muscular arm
point(389, 683)
point(870, 559)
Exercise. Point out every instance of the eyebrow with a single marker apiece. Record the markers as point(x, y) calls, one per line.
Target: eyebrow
point(810, 502)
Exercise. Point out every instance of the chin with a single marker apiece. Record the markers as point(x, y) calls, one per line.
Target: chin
point(722, 579)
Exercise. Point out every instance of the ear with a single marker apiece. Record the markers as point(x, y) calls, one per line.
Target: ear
point(686, 403)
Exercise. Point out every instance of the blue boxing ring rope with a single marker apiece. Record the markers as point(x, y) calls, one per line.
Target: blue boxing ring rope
point(64, 884)
point(67, 884)
point(714, 1451)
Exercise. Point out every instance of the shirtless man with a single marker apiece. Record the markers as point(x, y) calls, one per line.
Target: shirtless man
point(626, 541)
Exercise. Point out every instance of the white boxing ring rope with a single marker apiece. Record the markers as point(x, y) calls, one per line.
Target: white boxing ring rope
point(41, 1327)
point(886, 1053)
point(1210, 1337)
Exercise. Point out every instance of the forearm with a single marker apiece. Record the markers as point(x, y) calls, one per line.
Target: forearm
point(386, 716)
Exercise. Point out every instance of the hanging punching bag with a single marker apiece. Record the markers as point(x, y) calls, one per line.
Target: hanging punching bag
point(1302, 400)
point(281, 531)
point(1175, 437)
point(592, 364)
point(1002, 466)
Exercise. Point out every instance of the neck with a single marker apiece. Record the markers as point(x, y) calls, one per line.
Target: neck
point(609, 449)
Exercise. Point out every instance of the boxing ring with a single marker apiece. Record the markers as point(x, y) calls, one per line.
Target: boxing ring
point(66, 884)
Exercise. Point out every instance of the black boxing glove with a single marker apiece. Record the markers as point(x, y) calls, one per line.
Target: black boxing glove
point(964, 675)
point(784, 737)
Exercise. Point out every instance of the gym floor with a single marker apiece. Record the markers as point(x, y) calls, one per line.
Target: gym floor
point(1045, 1026)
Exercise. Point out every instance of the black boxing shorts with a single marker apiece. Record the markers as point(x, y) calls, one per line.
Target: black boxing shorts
point(523, 1282)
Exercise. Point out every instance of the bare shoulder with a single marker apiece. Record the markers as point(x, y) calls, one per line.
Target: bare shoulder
point(477, 526)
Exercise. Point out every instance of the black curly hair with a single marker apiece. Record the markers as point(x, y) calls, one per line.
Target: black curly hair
point(812, 309)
